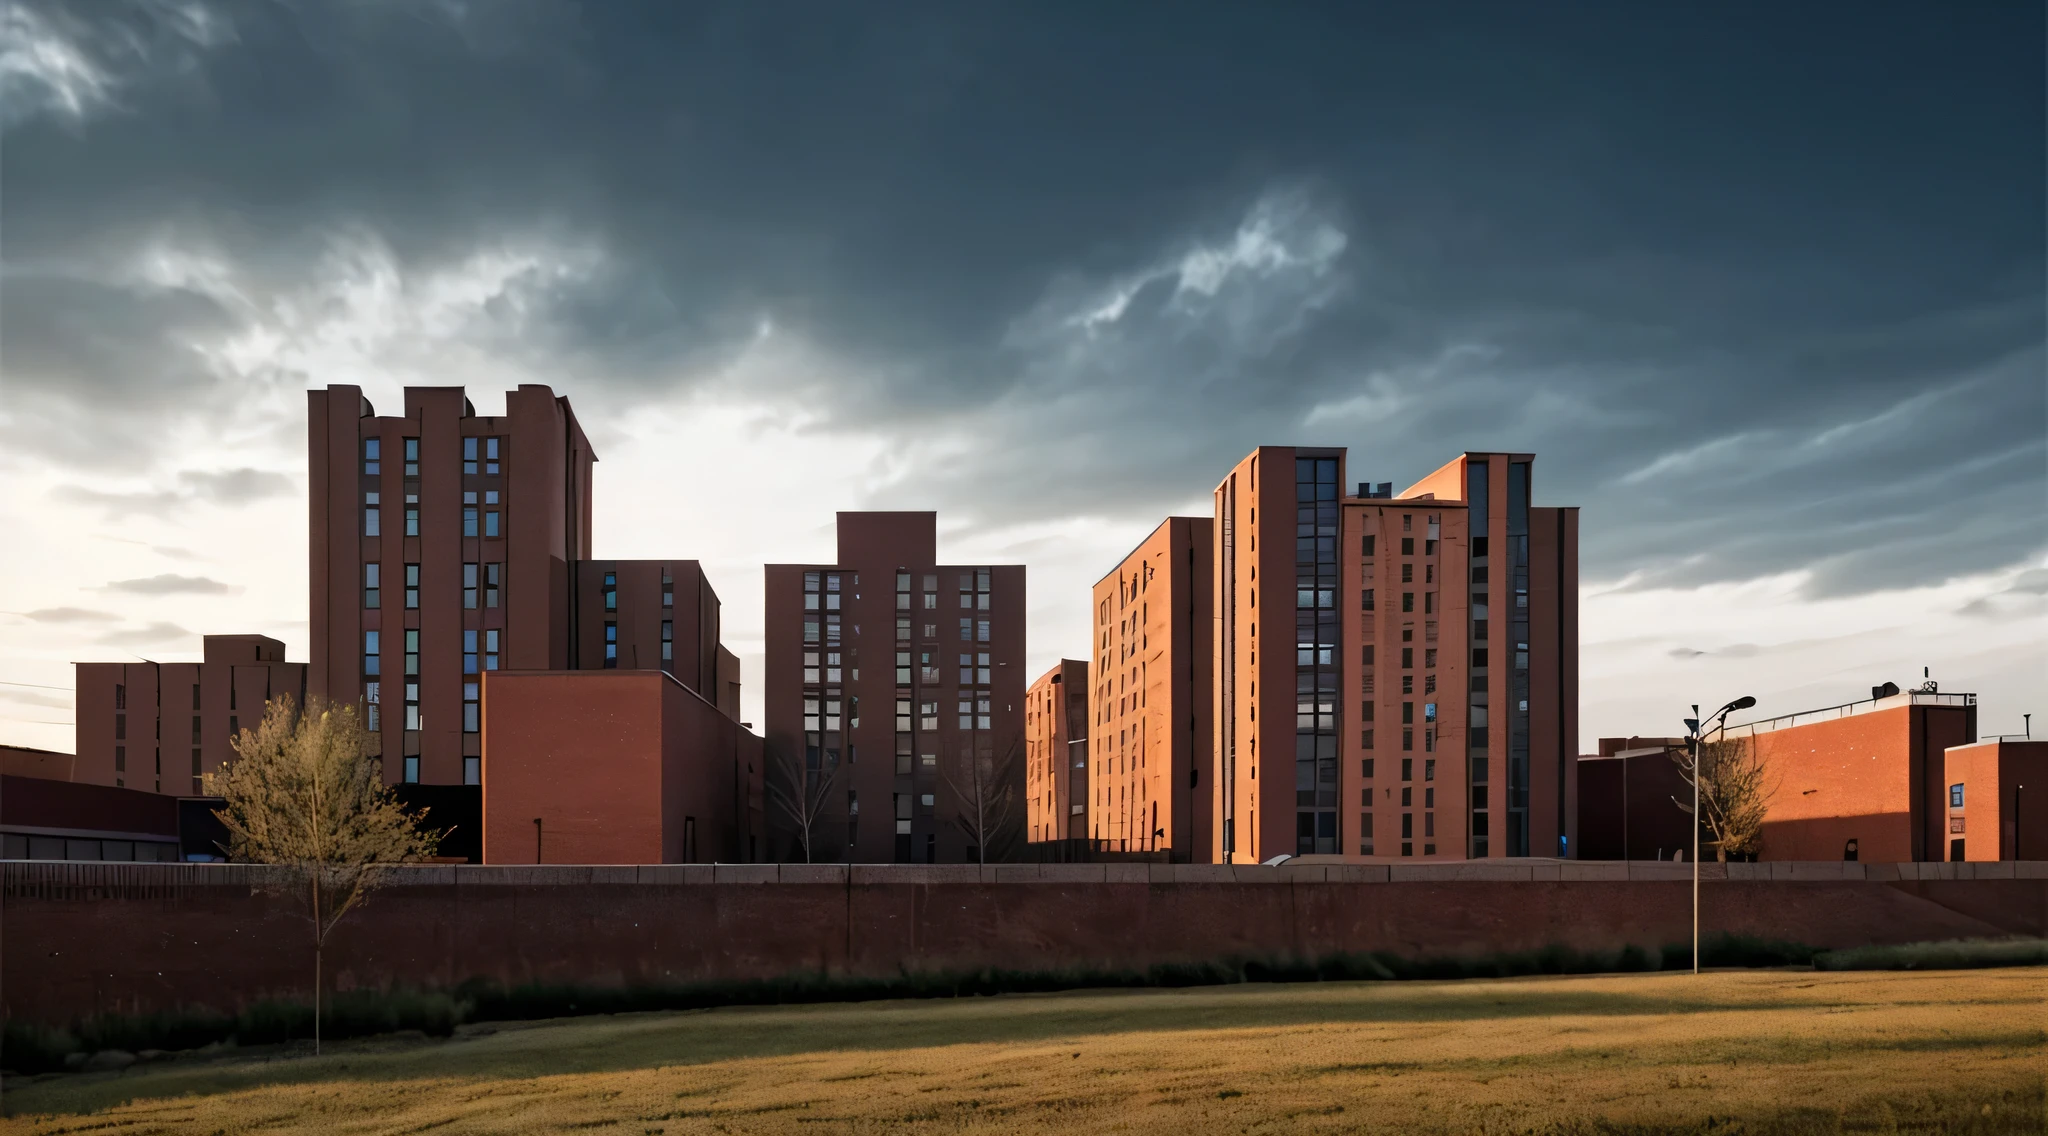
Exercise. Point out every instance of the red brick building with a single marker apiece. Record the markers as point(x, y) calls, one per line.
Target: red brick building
point(1868, 773)
point(1627, 798)
point(159, 727)
point(1997, 799)
point(1151, 696)
point(654, 615)
point(1056, 755)
point(1422, 697)
point(615, 767)
point(442, 545)
point(888, 675)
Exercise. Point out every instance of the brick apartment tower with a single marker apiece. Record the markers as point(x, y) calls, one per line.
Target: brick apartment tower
point(654, 615)
point(1150, 696)
point(893, 670)
point(1056, 754)
point(1424, 691)
point(159, 726)
point(442, 545)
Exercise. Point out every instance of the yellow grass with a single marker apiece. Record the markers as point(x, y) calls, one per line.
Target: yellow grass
point(1776, 1051)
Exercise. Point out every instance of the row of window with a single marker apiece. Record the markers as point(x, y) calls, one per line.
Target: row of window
point(479, 517)
point(477, 453)
point(121, 696)
point(481, 583)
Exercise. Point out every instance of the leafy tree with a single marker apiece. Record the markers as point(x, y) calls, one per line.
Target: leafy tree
point(1734, 792)
point(305, 795)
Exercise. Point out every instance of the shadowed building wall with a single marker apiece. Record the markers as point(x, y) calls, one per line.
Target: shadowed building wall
point(159, 727)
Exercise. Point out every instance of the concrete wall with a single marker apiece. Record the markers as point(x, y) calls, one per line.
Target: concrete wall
point(89, 938)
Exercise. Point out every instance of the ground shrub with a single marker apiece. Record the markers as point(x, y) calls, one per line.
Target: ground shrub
point(1963, 954)
point(362, 1013)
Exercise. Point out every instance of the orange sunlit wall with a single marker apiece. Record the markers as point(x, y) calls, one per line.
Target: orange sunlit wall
point(1149, 696)
point(1056, 754)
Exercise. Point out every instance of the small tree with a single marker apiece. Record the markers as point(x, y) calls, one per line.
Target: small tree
point(1734, 793)
point(801, 793)
point(304, 795)
point(986, 789)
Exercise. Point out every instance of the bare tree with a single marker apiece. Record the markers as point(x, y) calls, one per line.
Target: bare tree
point(304, 795)
point(801, 793)
point(986, 787)
point(1734, 793)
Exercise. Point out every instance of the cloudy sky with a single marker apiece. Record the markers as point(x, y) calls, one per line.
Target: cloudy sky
point(1761, 285)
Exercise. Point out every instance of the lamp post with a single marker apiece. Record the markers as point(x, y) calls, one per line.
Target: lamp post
point(1694, 742)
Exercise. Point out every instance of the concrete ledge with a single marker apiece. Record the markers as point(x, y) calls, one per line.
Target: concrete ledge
point(1358, 874)
point(1659, 870)
point(814, 874)
point(1816, 870)
point(1072, 873)
point(1011, 873)
point(1886, 873)
point(1127, 873)
point(615, 874)
point(1991, 870)
point(747, 873)
point(1592, 870)
point(917, 873)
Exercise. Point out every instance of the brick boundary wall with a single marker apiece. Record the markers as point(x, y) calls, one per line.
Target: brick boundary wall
point(78, 938)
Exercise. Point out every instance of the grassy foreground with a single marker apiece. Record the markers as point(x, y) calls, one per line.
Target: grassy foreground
point(1769, 1051)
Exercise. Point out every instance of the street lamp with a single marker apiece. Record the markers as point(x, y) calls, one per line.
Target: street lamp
point(1694, 740)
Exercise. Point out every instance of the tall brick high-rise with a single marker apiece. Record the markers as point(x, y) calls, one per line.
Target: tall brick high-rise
point(442, 545)
point(1419, 692)
point(1150, 696)
point(888, 676)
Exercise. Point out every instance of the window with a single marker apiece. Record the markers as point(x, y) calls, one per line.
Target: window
point(197, 737)
point(1429, 657)
point(372, 579)
point(668, 640)
point(611, 591)
point(469, 455)
point(903, 629)
point(412, 652)
point(491, 457)
point(491, 522)
point(412, 769)
point(1367, 550)
point(981, 631)
point(469, 651)
point(120, 759)
point(927, 715)
point(412, 587)
point(493, 573)
point(370, 510)
point(491, 649)
point(1955, 796)
point(469, 514)
point(372, 447)
point(120, 696)
point(469, 575)
point(412, 514)
point(370, 660)
point(1365, 600)
point(412, 457)
point(372, 697)
point(1407, 658)
point(472, 771)
point(471, 708)
point(668, 590)
point(1407, 601)
point(966, 629)
point(1407, 573)
point(1365, 768)
point(611, 645)
point(1407, 546)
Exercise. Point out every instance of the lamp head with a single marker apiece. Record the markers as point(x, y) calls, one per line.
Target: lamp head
point(1742, 703)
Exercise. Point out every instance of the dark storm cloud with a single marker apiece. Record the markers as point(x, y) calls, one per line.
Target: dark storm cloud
point(1763, 294)
point(169, 584)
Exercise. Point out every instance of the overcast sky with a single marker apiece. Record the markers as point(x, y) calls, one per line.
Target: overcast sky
point(1761, 285)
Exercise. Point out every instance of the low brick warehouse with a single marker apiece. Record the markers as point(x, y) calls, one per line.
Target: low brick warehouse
point(80, 939)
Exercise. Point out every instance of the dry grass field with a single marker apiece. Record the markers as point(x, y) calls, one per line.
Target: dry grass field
point(1743, 1051)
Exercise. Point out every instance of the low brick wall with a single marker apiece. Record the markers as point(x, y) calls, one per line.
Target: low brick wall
point(84, 938)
